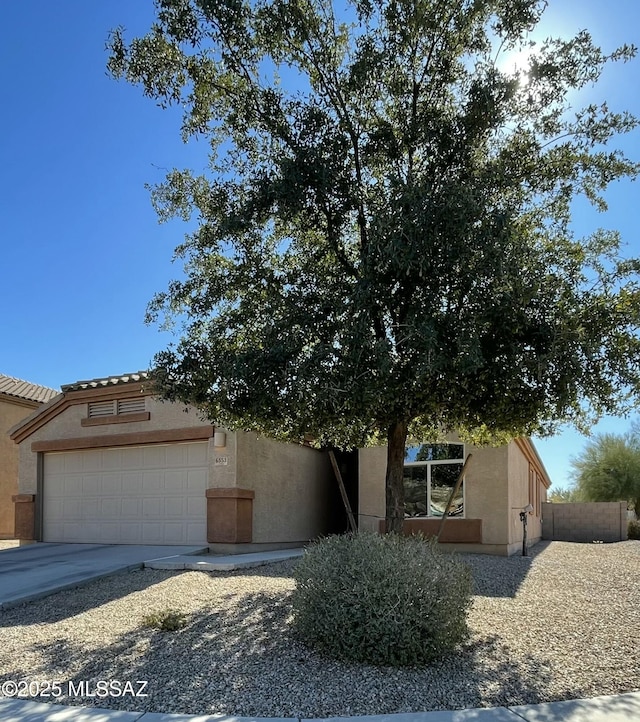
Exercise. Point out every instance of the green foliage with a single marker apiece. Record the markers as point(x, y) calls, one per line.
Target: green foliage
point(633, 531)
point(564, 496)
point(166, 620)
point(383, 600)
point(384, 237)
point(609, 469)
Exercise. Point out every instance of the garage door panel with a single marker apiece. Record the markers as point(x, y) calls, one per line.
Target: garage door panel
point(91, 508)
point(133, 458)
point(197, 455)
point(152, 481)
point(196, 479)
point(130, 533)
point(90, 484)
point(175, 479)
point(112, 459)
point(110, 483)
point(132, 480)
point(71, 485)
point(175, 508)
point(109, 508)
point(154, 458)
point(126, 495)
point(87, 462)
point(56, 463)
point(192, 507)
point(70, 462)
point(153, 507)
point(176, 457)
point(131, 508)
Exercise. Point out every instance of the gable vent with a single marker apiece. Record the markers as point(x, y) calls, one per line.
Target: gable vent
point(98, 409)
point(101, 408)
point(131, 406)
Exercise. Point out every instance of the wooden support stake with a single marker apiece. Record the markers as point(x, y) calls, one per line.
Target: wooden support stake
point(456, 488)
point(343, 492)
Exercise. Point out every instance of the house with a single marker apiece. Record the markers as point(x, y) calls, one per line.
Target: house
point(499, 483)
point(17, 399)
point(107, 462)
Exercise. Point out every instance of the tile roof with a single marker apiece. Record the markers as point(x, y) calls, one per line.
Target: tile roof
point(107, 381)
point(25, 390)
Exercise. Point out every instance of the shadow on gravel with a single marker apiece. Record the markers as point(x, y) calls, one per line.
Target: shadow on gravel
point(70, 602)
point(495, 576)
point(242, 658)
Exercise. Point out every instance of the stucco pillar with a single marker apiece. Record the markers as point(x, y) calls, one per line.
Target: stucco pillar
point(230, 515)
point(25, 516)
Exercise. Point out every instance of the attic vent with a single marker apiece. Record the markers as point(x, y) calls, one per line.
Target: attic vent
point(131, 406)
point(98, 409)
point(101, 408)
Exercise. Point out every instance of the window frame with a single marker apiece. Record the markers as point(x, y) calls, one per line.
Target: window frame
point(440, 462)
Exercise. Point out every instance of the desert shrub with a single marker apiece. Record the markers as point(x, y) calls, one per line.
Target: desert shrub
point(383, 600)
point(633, 531)
point(166, 620)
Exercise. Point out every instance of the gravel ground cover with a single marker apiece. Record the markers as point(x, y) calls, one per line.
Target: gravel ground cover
point(561, 624)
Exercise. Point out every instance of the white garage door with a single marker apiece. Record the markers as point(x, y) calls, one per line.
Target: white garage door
point(127, 495)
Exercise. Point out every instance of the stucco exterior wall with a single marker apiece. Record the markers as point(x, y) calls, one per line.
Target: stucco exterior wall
point(486, 492)
point(523, 491)
point(372, 464)
point(496, 488)
point(163, 417)
point(485, 489)
point(11, 412)
point(291, 485)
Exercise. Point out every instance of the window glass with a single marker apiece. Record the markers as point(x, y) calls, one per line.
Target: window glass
point(434, 452)
point(443, 479)
point(430, 474)
point(415, 491)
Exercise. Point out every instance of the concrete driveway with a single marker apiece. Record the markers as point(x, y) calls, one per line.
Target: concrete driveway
point(37, 570)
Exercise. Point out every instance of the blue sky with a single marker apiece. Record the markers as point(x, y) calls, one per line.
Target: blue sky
point(81, 251)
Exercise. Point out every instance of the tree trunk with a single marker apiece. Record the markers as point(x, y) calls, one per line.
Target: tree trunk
point(637, 508)
point(394, 480)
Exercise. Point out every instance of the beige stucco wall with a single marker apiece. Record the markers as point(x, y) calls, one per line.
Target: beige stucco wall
point(291, 485)
point(486, 495)
point(485, 491)
point(291, 482)
point(163, 416)
point(11, 412)
point(372, 464)
point(519, 498)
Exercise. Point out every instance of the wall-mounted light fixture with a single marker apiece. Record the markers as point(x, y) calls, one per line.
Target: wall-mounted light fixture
point(219, 439)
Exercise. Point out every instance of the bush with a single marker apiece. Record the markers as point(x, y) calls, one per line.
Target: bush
point(383, 600)
point(633, 530)
point(167, 620)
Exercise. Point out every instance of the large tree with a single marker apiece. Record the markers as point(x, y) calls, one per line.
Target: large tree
point(608, 469)
point(384, 239)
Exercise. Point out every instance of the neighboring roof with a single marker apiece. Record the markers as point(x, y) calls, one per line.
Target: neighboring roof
point(107, 381)
point(25, 390)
